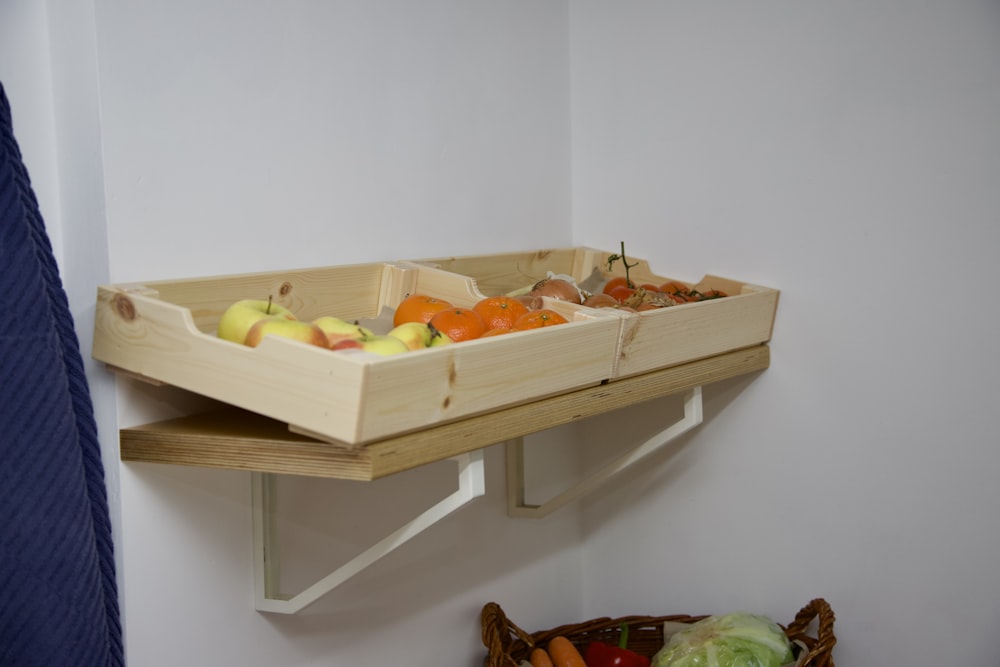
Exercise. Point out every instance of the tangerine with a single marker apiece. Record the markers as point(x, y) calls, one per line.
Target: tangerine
point(418, 308)
point(459, 324)
point(500, 312)
point(536, 319)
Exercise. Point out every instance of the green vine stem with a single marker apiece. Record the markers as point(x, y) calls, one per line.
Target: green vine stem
point(614, 258)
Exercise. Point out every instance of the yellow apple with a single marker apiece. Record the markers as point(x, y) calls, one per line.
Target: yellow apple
point(236, 322)
point(307, 332)
point(337, 329)
point(384, 345)
point(416, 335)
point(438, 339)
point(378, 344)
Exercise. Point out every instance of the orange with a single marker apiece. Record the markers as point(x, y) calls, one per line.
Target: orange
point(459, 324)
point(536, 319)
point(500, 312)
point(418, 308)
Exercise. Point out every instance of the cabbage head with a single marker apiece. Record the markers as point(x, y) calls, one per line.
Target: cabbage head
point(733, 640)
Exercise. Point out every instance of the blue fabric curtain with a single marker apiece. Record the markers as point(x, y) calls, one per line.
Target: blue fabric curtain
point(58, 597)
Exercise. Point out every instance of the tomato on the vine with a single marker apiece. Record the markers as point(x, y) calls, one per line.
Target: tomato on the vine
point(711, 294)
point(678, 298)
point(674, 287)
point(617, 281)
point(621, 293)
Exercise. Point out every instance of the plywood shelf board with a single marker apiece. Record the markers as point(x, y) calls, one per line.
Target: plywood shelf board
point(241, 440)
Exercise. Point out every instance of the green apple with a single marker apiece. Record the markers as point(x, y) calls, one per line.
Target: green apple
point(378, 344)
point(416, 335)
point(307, 332)
point(337, 329)
point(236, 322)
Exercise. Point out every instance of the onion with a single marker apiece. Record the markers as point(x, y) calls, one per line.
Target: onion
point(530, 302)
point(557, 288)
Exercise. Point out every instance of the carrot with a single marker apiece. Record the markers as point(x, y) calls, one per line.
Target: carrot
point(564, 654)
point(539, 658)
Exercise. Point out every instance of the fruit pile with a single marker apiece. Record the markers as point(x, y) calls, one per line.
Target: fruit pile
point(490, 316)
point(604, 290)
point(422, 321)
point(619, 292)
point(623, 293)
point(419, 322)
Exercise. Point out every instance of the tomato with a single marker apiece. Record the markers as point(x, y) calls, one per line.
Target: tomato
point(621, 293)
point(674, 287)
point(711, 294)
point(617, 281)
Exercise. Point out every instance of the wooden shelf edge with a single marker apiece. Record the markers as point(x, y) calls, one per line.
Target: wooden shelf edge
point(239, 440)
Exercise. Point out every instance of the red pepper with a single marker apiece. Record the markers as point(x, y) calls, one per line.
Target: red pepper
point(600, 654)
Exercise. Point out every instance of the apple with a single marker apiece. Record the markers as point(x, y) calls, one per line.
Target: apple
point(378, 344)
point(307, 332)
point(416, 335)
point(337, 329)
point(236, 322)
point(438, 339)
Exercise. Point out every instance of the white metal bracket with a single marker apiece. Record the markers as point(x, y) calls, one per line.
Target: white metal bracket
point(268, 595)
point(516, 506)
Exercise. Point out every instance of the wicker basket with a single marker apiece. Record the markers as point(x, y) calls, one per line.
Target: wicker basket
point(508, 645)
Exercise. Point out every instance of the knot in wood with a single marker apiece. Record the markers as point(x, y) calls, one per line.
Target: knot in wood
point(124, 307)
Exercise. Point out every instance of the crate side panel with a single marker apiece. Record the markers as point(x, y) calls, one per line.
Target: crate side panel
point(458, 289)
point(678, 334)
point(308, 293)
point(473, 377)
point(506, 272)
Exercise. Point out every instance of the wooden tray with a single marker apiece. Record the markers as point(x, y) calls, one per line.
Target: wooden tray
point(164, 331)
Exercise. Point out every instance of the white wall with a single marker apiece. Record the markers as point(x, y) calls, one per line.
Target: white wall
point(842, 152)
point(254, 136)
point(848, 154)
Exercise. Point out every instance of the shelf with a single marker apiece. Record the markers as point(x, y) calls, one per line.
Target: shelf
point(236, 439)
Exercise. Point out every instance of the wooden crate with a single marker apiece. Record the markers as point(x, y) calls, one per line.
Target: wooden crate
point(164, 331)
point(649, 340)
